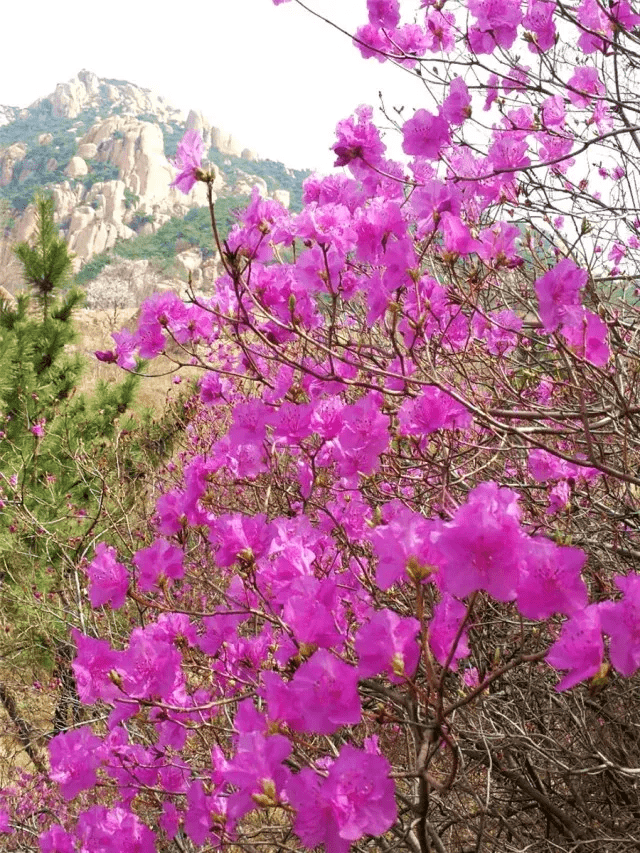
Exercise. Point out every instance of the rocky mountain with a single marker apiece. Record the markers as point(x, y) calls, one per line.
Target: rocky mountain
point(103, 149)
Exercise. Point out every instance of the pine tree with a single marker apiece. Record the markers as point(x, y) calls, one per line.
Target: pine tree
point(47, 264)
point(56, 452)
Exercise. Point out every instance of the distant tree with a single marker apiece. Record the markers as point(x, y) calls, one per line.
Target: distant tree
point(48, 263)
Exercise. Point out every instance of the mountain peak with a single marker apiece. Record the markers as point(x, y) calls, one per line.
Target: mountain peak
point(88, 91)
point(103, 148)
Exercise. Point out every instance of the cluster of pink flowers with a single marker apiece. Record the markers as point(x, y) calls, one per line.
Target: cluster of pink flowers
point(320, 533)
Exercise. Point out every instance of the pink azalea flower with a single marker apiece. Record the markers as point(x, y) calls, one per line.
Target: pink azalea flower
point(358, 140)
point(624, 15)
point(443, 630)
point(388, 643)
point(470, 677)
point(115, 830)
point(161, 558)
point(497, 244)
point(95, 661)
point(545, 466)
point(151, 665)
point(621, 621)
point(245, 537)
point(108, 579)
point(197, 821)
point(587, 335)
point(508, 151)
point(321, 696)
point(310, 611)
point(405, 542)
point(492, 88)
point(483, 546)
point(585, 80)
point(496, 24)
point(432, 410)
point(558, 292)
point(57, 840)
point(373, 43)
point(384, 13)
point(126, 345)
point(501, 334)
point(425, 134)
point(363, 437)
point(410, 42)
point(516, 81)
point(580, 649)
point(550, 580)
point(256, 766)
point(440, 31)
point(75, 757)
point(355, 799)
point(456, 235)
point(592, 17)
point(553, 111)
point(188, 160)
point(169, 820)
point(539, 21)
point(559, 498)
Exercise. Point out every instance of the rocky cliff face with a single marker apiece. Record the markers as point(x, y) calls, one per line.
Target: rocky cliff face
point(86, 90)
point(8, 114)
point(103, 148)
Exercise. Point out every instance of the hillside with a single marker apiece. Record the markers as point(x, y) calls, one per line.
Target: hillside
point(103, 147)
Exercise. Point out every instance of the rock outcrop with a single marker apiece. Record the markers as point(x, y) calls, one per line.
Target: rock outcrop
point(108, 171)
point(8, 114)
point(225, 142)
point(87, 90)
point(8, 159)
point(77, 168)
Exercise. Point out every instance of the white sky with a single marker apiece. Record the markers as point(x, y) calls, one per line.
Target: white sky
point(277, 78)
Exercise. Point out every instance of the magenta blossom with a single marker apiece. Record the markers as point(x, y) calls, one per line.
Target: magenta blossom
point(404, 543)
point(384, 13)
point(160, 559)
point(321, 697)
point(483, 546)
point(355, 799)
point(550, 580)
point(558, 292)
point(358, 140)
point(444, 628)
point(56, 840)
point(425, 134)
point(388, 643)
point(188, 160)
point(621, 621)
point(108, 579)
point(587, 336)
point(580, 649)
point(75, 758)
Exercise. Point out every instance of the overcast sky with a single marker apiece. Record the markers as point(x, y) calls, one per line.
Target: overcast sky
point(277, 78)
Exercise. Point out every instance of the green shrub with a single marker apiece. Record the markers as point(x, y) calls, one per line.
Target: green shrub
point(141, 219)
point(131, 200)
point(93, 268)
point(99, 173)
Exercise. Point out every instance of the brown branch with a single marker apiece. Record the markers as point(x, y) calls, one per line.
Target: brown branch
point(23, 729)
